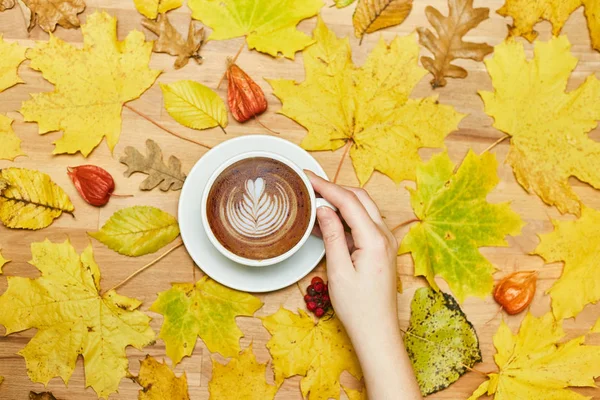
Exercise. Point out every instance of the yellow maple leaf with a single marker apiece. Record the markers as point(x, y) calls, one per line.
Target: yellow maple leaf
point(11, 56)
point(89, 95)
point(159, 382)
point(367, 107)
point(31, 200)
point(10, 144)
point(72, 318)
point(3, 262)
point(242, 378)
point(207, 310)
point(576, 244)
point(534, 366)
point(319, 352)
point(356, 394)
point(527, 13)
point(548, 127)
point(269, 27)
point(151, 8)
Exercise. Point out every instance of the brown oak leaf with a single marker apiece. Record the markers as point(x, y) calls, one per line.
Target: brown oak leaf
point(167, 176)
point(49, 13)
point(449, 44)
point(41, 396)
point(171, 42)
point(6, 4)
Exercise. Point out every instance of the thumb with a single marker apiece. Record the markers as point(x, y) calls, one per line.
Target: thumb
point(336, 247)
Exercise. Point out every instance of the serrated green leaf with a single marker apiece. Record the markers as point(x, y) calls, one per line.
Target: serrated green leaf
point(440, 340)
point(455, 220)
point(138, 230)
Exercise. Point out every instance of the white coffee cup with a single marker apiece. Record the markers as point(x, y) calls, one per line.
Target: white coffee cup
point(315, 202)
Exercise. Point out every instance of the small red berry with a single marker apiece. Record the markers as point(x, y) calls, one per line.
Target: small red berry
point(312, 306)
point(311, 290)
point(307, 298)
point(319, 287)
point(316, 280)
point(319, 312)
point(326, 289)
point(326, 298)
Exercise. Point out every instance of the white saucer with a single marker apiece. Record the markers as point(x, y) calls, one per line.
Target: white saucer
point(207, 257)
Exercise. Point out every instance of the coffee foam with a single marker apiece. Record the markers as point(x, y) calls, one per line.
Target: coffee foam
point(258, 208)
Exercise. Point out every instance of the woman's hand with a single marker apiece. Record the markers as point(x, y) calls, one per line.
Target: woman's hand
point(361, 270)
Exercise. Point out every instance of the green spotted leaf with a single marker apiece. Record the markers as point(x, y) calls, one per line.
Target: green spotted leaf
point(440, 340)
point(139, 230)
point(455, 220)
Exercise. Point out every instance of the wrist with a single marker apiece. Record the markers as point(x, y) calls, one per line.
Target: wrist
point(381, 337)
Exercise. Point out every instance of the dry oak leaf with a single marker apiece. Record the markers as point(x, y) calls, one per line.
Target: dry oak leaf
point(32, 200)
point(11, 56)
point(170, 41)
point(89, 95)
point(242, 378)
point(455, 220)
point(269, 26)
point(6, 4)
point(138, 230)
point(367, 107)
point(373, 15)
point(207, 310)
point(527, 13)
point(10, 144)
point(577, 244)
point(152, 8)
point(548, 127)
point(158, 382)
point(3, 262)
point(319, 352)
point(449, 44)
point(165, 177)
point(49, 13)
point(41, 396)
point(72, 318)
point(534, 366)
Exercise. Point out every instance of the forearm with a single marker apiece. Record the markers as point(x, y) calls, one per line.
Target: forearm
point(385, 364)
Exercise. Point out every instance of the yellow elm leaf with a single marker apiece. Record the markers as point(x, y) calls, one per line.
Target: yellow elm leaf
point(319, 352)
point(533, 365)
point(548, 127)
point(158, 382)
point(3, 262)
point(194, 105)
point(207, 310)
point(31, 200)
point(241, 378)
point(10, 144)
point(138, 230)
point(72, 318)
point(269, 26)
point(367, 107)
point(11, 56)
point(455, 220)
point(89, 95)
point(577, 244)
point(373, 15)
point(151, 8)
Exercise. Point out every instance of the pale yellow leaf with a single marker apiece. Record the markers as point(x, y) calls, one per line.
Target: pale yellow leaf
point(10, 144)
point(3, 262)
point(151, 8)
point(194, 105)
point(373, 15)
point(11, 56)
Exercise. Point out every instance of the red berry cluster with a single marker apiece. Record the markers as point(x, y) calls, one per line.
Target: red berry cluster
point(317, 297)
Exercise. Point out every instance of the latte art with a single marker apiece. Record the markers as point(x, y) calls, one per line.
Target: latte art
point(258, 208)
point(258, 214)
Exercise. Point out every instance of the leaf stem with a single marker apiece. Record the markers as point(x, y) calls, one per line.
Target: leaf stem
point(223, 129)
point(497, 142)
point(474, 370)
point(120, 195)
point(233, 60)
point(410, 221)
point(339, 168)
point(147, 118)
point(264, 126)
point(145, 267)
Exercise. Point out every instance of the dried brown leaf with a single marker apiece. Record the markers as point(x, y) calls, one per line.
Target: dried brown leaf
point(49, 13)
point(41, 396)
point(449, 44)
point(373, 15)
point(171, 42)
point(6, 4)
point(167, 176)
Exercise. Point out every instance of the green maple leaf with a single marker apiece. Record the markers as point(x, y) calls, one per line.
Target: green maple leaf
point(440, 341)
point(455, 220)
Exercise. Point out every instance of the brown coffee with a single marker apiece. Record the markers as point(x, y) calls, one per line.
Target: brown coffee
point(258, 208)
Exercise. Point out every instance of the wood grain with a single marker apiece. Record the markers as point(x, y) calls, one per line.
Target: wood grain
point(475, 132)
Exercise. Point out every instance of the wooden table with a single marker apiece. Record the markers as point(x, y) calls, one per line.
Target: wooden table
point(475, 132)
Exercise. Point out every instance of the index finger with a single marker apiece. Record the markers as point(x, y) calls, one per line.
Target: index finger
point(352, 210)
